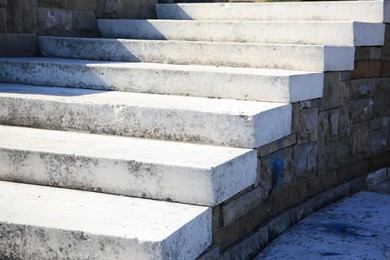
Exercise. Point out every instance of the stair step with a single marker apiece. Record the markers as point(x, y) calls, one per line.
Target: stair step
point(277, 56)
point(325, 33)
point(180, 172)
point(69, 224)
point(224, 122)
point(202, 81)
point(363, 11)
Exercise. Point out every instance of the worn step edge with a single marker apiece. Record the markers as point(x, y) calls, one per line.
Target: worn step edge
point(234, 123)
point(180, 172)
point(276, 56)
point(325, 33)
point(189, 80)
point(363, 11)
point(59, 223)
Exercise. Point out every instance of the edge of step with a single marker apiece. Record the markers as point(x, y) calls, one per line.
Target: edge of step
point(282, 56)
point(364, 11)
point(188, 80)
point(72, 224)
point(271, 32)
point(181, 172)
point(225, 122)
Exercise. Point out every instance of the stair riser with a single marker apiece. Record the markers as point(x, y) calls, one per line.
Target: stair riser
point(137, 179)
point(364, 11)
point(343, 34)
point(198, 83)
point(298, 57)
point(189, 126)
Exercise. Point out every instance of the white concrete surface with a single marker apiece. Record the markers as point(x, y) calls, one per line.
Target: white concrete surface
point(275, 56)
point(181, 172)
point(42, 222)
point(363, 11)
point(353, 228)
point(233, 123)
point(291, 32)
point(188, 80)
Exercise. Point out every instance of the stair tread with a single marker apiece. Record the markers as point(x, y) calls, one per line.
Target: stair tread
point(255, 55)
point(206, 105)
point(293, 32)
point(188, 80)
point(366, 11)
point(161, 66)
point(116, 147)
point(96, 214)
point(224, 122)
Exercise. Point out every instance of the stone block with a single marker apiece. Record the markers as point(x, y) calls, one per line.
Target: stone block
point(211, 253)
point(361, 110)
point(377, 177)
point(3, 19)
point(304, 158)
point(277, 145)
point(125, 9)
point(278, 225)
point(331, 93)
point(84, 23)
point(356, 185)
point(332, 155)
point(250, 246)
point(342, 190)
point(377, 141)
point(379, 161)
point(362, 88)
point(53, 3)
point(366, 69)
point(276, 171)
point(308, 125)
point(53, 21)
point(379, 123)
point(359, 139)
point(385, 68)
point(242, 205)
point(22, 16)
point(86, 5)
point(352, 170)
point(18, 44)
point(3, 3)
point(368, 53)
point(382, 97)
point(334, 122)
point(386, 47)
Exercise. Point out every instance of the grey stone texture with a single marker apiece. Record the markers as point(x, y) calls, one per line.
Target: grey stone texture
point(18, 44)
point(53, 21)
point(125, 9)
point(85, 5)
point(84, 23)
point(3, 3)
point(3, 19)
point(22, 16)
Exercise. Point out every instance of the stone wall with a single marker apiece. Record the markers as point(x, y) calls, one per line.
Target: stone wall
point(335, 142)
point(21, 21)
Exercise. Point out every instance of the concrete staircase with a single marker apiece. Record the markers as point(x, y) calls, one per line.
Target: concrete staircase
point(169, 116)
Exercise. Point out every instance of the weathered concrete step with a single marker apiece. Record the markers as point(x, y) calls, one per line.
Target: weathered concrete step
point(225, 122)
point(364, 11)
point(68, 224)
point(173, 171)
point(277, 56)
point(201, 81)
point(324, 33)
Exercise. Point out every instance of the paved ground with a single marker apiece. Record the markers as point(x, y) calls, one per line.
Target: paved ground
point(357, 227)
